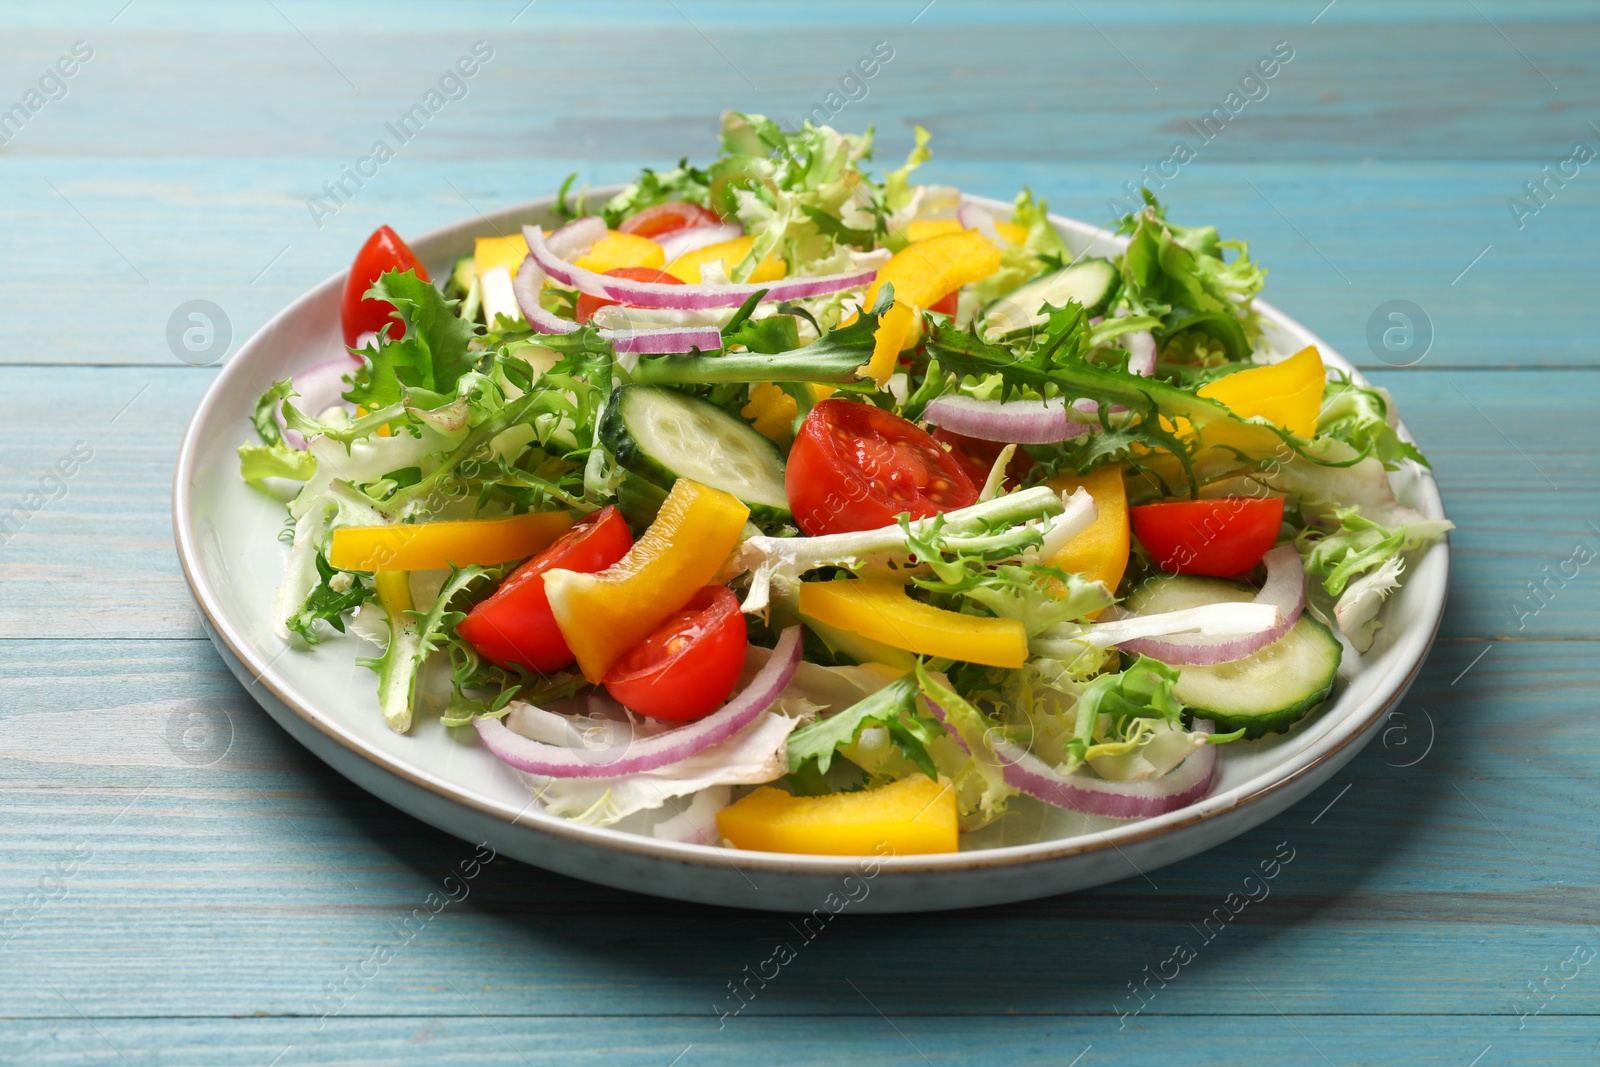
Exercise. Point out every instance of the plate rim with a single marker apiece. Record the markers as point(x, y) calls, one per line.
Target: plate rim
point(220, 627)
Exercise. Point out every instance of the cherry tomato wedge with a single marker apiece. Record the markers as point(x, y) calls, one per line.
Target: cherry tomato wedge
point(1219, 538)
point(856, 467)
point(946, 304)
point(977, 456)
point(515, 627)
point(588, 305)
point(687, 667)
point(666, 218)
point(383, 252)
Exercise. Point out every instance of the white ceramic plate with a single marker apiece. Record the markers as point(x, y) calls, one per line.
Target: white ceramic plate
point(227, 535)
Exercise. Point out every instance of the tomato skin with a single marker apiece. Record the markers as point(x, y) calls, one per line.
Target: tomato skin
point(946, 304)
point(587, 305)
point(667, 218)
point(977, 456)
point(689, 665)
point(515, 627)
point(856, 467)
point(384, 251)
point(1218, 538)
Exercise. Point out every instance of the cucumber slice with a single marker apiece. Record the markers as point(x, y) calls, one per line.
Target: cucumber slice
point(639, 500)
point(1094, 283)
point(1264, 693)
point(662, 435)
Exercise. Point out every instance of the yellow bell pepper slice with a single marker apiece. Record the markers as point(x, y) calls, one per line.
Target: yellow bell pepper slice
point(686, 267)
point(883, 612)
point(621, 250)
point(924, 271)
point(771, 411)
point(427, 546)
point(894, 329)
point(1100, 553)
point(1287, 393)
point(922, 229)
point(1014, 232)
point(602, 615)
point(913, 816)
point(491, 252)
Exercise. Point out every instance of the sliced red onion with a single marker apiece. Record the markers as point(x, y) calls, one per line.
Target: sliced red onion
point(1020, 422)
point(1285, 590)
point(319, 388)
point(1141, 345)
point(659, 750)
point(1178, 788)
point(673, 339)
point(576, 237)
point(1092, 407)
point(682, 242)
point(623, 317)
point(1027, 773)
point(974, 217)
point(525, 286)
point(660, 295)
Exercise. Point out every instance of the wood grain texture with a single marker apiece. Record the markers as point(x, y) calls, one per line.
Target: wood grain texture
point(153, 900)
point(894, 1041)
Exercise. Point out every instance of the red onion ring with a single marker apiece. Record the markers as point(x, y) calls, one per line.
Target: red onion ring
point(525, 287)
point(554, 761)
point(973, 217)
point(319, 388)
point(1021, 422)
point(1284, 589)
point(671, 339)
point(1141, 346)
point(1178, 788)
point(681, 242)
point(659, 295)
point(576, 237)
point(1092, 407)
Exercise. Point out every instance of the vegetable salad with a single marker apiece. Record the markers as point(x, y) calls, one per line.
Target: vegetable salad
point(781, 505)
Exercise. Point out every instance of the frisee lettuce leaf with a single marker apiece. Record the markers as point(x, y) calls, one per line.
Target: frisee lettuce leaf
point(431, 354)
point(337, 594)
point(412, 638)
point(1175, 272)
point(893, 707)
point(1360, 417)
point(275, 461)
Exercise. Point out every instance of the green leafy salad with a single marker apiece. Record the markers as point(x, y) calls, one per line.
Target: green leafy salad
point(780, 505)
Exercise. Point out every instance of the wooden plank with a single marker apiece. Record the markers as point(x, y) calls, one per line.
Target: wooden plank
point(951, 1036)
point(1421, 88)
point(1384, 160)
point(98, 561)
point(299, 876)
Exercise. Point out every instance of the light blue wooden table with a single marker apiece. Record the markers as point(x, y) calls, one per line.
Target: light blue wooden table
point(159, 909)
